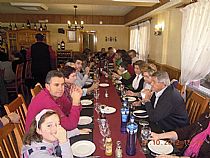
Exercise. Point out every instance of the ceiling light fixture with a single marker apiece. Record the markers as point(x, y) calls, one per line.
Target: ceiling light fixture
point(75, 26)
point(30, 6)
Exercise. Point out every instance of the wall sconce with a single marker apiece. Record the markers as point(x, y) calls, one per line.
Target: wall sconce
point(158, 29)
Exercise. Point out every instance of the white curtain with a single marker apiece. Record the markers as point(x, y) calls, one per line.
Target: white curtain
point(195, 42)
point(134, 38)
point(144, 37)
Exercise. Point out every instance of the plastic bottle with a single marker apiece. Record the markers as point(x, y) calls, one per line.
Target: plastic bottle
point(108, 149)
point(118, 150)
point(132, 129)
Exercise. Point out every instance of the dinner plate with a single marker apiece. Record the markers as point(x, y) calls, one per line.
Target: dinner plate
point(140, 114)
point(160, 147)
point(83, 148)
point(91, 72)
point(109, 110)
point(104, 85)
point(130, 99)
point(86, 102)
point(85, 120)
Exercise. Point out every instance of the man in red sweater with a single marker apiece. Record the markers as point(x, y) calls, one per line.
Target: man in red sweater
point(53, 97)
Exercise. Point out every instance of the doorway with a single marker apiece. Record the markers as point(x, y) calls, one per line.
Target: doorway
point(88, 40)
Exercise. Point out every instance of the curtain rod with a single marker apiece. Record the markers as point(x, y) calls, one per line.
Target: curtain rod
point(141, 21)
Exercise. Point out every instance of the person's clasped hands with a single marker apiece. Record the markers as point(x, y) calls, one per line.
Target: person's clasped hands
point(75, 93)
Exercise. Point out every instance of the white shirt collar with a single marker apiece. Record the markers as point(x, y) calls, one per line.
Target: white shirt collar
point(158, 94)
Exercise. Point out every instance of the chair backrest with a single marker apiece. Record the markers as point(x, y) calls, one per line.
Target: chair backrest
point(2, 73)
point(180, 88)
point(19, 106)
point(196, 105)
point(19, 75)
point(28, 74)
point(10, 141)
point(36, 89)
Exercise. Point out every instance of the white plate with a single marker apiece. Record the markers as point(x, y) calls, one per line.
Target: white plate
point(85, 120)
point(160, 147)
point(86, 102)
point(91, 72)
point(104, 85)
point(88, 83)
point(83, 148)
point(130, 99)
point(140, 112)
point(109, 110)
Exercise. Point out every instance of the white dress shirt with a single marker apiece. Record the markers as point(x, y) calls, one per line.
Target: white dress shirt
point(158, 94)
point(135, 83)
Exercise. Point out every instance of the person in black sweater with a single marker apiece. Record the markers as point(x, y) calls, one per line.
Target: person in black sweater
point(43, 59)
point(195, 136)
point(164, 104)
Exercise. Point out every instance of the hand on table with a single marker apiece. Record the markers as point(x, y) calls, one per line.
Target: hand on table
point(130, 93)
point(85, 131)
point(137, 103)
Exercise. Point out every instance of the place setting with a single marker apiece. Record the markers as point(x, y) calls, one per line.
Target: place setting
point(104, 85)
point(141, 114)
point(86, 103)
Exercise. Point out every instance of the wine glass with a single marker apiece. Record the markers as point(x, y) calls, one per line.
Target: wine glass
point(96, 94)
point(145, 135)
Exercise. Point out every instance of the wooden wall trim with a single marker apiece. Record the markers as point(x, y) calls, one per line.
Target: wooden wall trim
point(140, 11)
point(173, 72)
point(61, 19)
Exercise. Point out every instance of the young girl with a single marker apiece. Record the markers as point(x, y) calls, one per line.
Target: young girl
point(44, 135)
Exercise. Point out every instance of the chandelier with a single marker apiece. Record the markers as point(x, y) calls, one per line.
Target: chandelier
point(75, 26)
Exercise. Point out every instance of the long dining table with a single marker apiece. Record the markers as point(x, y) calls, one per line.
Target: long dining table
point(114, 120)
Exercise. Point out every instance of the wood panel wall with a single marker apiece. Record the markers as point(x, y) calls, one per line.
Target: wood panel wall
point(61, 19)
point(173, 73)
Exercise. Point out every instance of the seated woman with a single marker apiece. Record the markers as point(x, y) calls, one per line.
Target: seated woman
point(45, 134)
point(197, 133)
point(147, 71)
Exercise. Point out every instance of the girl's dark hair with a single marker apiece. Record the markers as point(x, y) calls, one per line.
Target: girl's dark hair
point(67, 70)
point(32, 135)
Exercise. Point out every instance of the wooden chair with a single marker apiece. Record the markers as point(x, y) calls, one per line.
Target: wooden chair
point(36, 89)
point(196, 105)
point(28, 74)
point(10, 141)
point(178, 86)
point(19, 106)
point(18, 84)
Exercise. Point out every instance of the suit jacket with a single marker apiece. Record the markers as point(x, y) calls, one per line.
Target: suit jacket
point(130, 81)
point(170, 111)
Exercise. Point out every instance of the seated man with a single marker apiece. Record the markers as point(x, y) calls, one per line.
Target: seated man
point(165, 106)
point(81, 80)
point(70, 78)
point(53, 97)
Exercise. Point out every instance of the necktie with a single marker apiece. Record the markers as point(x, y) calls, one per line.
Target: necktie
point(153, 98)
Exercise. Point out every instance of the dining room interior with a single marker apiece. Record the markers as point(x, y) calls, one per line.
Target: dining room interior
point(167, 36)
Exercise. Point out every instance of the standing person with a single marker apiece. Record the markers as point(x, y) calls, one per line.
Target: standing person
point(44, 136)
point(53, 97)
point(43, 59)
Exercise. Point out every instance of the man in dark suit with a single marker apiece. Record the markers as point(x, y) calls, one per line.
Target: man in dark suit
point(43, 59)
point(164, 104)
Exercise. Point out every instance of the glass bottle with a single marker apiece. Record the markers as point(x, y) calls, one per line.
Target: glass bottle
point(118, 150)
point(132, 129)
point(102, 112)
point(59, 46)
point(62, 45)
point(40, 28)
point(124, 117)
point(108, 148)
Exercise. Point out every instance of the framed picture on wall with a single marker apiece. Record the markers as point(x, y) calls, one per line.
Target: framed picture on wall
point(72, 36)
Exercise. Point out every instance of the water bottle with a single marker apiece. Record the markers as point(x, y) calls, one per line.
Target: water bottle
point(132, 129)
point(124, 117)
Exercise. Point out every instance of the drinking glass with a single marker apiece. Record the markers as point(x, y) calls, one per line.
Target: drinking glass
point(104, 130)
point(145, 135)
point(96, 94)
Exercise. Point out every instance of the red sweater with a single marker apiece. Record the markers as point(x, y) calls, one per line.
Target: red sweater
point(69, 114)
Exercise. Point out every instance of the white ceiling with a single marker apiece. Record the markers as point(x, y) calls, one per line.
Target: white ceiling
point(85, 7)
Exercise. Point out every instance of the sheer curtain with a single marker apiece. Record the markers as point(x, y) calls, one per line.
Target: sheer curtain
point(195, 42)
point(139, 39)
point(144, 37)
point(134, 38)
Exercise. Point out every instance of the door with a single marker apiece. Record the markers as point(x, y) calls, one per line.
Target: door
point(88, 40)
